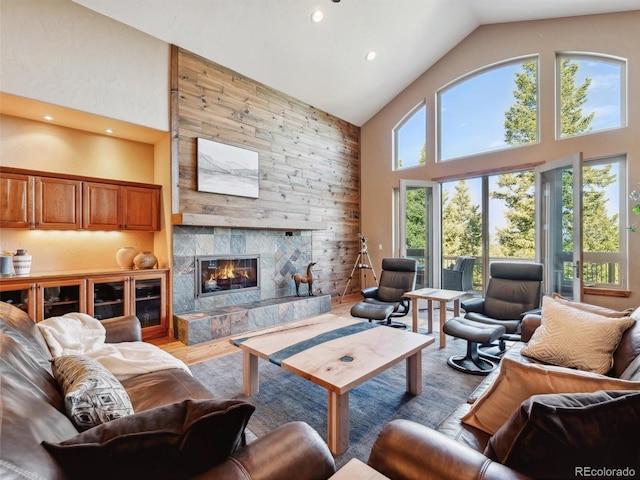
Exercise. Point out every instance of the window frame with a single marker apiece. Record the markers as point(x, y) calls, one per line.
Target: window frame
point(398, 126)
point(622, 256)
point(595, 57)
point(472, 74)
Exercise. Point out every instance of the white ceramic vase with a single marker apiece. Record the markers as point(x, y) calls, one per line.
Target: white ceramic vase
point(22, 262)
point(125, 256)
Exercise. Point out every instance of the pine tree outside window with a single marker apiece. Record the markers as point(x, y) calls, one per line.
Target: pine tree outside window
point(472, 109)
point(591, 94)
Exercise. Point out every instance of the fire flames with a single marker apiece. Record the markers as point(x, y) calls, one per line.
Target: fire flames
point(227, 272)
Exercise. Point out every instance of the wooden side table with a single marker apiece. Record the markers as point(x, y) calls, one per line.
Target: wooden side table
point(354, 469)
point(437, 295)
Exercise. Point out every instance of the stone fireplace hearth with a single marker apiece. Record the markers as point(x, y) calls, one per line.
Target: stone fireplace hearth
point(204, 315)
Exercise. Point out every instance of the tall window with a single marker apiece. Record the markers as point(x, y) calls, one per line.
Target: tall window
point(591, 94)
point(491, 218)
point(409, 139)
point(493, 109)
point(603, 214)
point(462, 224)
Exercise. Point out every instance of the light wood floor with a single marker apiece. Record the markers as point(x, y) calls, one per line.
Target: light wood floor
point(216, 348)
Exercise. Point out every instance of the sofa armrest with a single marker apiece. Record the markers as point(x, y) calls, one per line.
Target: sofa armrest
point(529, 324)
point(123, 329)
point(406, 450)
point(293, 449)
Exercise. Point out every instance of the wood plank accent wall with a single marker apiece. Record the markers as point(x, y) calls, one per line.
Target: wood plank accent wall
point(309, 163)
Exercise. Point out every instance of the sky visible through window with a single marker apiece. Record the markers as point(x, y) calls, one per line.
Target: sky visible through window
point(473, 112)
point(603, 95)
point(473, 115)
point(411, 137)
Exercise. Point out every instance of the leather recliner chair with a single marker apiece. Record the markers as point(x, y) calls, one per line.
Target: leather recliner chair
point(514, 290)
point(387, 300)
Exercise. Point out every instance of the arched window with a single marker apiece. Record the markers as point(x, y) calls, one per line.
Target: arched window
point(590, 93)
point(409, 139)
point(490, 109)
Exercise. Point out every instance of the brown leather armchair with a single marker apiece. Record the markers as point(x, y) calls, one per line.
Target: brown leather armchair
point(406, 450)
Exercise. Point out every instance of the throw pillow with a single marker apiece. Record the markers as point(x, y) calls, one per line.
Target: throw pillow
point(587, 307)
point(561, 436)
point(174, 441)
point(92, 395)
point(517, 381)
point(574, 338)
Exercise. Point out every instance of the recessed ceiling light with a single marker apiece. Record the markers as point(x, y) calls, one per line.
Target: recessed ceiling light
point(108, 130)
point(48, 117)
point(371, 54)
point(317, 16)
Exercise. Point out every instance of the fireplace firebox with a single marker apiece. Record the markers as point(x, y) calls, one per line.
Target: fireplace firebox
point(223, 274)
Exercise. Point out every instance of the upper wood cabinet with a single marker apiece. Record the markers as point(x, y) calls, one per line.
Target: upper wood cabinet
point(141, 208)
point(57, 203)
point(115, 207)
point(102, 206)
point(66, 202)
point(16, 201)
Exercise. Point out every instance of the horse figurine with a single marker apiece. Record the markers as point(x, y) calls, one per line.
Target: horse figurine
point(308, 278)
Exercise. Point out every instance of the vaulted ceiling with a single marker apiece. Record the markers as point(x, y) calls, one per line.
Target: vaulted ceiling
point(323, 64)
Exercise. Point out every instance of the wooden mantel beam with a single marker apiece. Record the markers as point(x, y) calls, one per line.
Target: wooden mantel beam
point(202, 220)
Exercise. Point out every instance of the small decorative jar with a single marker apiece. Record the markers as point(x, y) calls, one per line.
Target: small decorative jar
point(145, 260)
point(5, 263)
point(22, 262)
point(125, 256)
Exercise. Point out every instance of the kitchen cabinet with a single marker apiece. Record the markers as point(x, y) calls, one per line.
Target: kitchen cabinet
point(108, 296)
point(141, 208)
point(121, 207)
point(102, 206)
point(57, 203)
point(16, 201)
point(150, 303)
point(21, 294)
point(54, 298)
point(100, 294)
point(44, 299)
point(31, 199)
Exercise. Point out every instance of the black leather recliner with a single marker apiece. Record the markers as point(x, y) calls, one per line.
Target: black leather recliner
point(387, 300)
point(514, 289)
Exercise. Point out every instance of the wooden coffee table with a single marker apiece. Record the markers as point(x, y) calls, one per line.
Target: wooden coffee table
point(337, 353)
point(437, 295)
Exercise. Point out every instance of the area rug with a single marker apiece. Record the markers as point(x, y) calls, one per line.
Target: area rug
point(285, 397)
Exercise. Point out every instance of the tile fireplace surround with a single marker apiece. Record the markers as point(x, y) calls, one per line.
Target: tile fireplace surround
point(280, 257)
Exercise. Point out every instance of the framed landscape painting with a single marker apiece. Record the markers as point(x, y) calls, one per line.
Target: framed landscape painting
point(226, 169)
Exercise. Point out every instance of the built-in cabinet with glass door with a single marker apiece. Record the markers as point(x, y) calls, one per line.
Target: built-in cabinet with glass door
point(102, 295)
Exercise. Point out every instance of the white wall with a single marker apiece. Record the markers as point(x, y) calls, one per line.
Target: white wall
point(61, 53)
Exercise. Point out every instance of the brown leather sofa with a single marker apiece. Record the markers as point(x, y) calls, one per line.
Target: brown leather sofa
point(406, 450)
point(32, 411)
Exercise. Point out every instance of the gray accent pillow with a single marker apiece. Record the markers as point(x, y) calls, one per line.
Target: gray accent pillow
point(92, 395)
